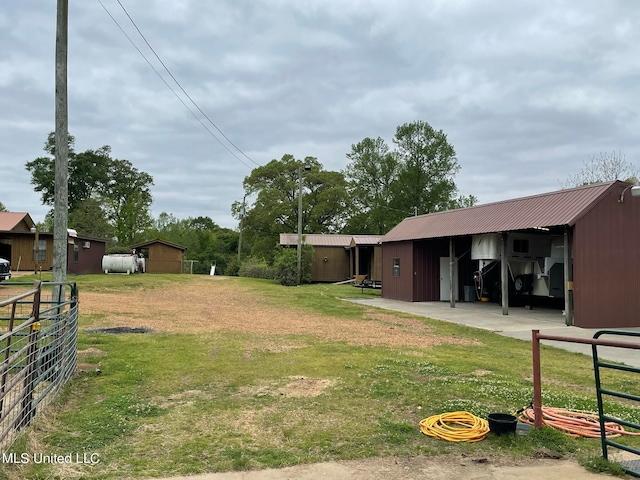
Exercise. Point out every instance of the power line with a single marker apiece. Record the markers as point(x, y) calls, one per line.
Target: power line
point(183, 90)
point(173, 91)
point(179, 85)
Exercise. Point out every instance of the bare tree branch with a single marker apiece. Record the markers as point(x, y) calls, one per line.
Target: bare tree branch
point(603, 168)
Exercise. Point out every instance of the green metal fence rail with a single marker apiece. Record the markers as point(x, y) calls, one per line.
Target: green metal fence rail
point(632, 467)
point(38, 350)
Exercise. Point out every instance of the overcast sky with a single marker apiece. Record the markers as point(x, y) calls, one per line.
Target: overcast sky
point(526, 91)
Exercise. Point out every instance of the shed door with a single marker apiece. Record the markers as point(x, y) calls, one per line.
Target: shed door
point(444, 279)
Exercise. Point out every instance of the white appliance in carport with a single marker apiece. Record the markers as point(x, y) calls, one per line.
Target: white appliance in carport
point(534, 258)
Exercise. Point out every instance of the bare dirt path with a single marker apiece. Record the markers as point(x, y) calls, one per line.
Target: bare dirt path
point(214, 303)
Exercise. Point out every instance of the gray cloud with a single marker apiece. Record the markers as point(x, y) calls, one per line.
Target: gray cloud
point(525, 91)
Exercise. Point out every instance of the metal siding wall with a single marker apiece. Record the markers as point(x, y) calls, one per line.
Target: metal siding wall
point(607, 264)
point(164, 259)
point(89, 259)
point(397, 288)
point(22, 252)
point(427, 270)
point(376, 273)
point(335, 269)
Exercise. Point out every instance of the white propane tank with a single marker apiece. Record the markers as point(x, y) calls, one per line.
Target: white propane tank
point(120, 263)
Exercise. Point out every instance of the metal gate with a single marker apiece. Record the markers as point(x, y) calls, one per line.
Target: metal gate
point(632, 467)
point(38, 351)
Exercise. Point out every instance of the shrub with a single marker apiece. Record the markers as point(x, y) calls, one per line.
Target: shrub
point(286, 265)
point(233, 268)
point(255, 268)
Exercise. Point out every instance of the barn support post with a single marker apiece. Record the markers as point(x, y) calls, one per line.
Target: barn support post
point(351, 260)
point(452, 263)
point(568, 276)
point(357, 260)
point(504, 275)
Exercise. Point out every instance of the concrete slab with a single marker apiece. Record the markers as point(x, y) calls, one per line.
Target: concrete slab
point(518, 324)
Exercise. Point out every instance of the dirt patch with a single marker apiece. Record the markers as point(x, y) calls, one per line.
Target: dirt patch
point(305, 387)
point(83, 366)
point(214, 303)
point(119, 330)
point(296, 387)
point(91, 352)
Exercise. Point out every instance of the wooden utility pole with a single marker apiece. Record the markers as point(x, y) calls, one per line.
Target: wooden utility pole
point(299, 252)
point(244, 199)
point(61, 193)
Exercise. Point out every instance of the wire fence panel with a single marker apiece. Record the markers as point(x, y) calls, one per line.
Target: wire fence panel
point(38, 351)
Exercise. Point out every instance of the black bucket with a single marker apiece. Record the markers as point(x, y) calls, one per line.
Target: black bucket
point(502, 423)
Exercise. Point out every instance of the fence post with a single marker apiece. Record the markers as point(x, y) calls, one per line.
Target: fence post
point(7, 353)
point(27, 410)
point(537, 388)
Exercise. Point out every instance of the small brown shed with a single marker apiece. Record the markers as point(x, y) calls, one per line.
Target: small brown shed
point(84, 253)
point(28, 249)
point(162, 256)
point(338, 257)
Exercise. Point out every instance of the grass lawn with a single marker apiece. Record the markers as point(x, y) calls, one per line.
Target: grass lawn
point(240, 395)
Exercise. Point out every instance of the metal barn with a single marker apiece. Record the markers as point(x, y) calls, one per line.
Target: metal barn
point(574, 249)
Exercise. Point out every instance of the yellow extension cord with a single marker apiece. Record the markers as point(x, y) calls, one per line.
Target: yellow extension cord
point(455, 427)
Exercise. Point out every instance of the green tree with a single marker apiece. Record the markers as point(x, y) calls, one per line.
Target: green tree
point(416, 178)
point(428, 165)
point(2, 207)
point(97, 181)
point(127, 200)
point(89, 218)
point(371, 173)
point(275, 208)
point(87, 172)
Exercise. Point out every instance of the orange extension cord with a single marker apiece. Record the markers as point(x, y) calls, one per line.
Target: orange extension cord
point(574, 423)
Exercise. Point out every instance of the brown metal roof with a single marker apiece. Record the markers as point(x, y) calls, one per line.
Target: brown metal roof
point(164, 242)
point(366, 239)
point(10, 220)
point(562, 207)
point(316, 239)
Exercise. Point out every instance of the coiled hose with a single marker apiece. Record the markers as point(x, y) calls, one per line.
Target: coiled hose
point(575, 423)
point(455, 427)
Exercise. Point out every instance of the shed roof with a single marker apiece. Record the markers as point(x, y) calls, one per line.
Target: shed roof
point(329, 239)
point(164, 242)
point(559, 208)
point(317, 239)
point(10, 220)
point(365, 239)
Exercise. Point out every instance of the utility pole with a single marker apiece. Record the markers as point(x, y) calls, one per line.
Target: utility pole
point(244, 199)
point(307, 168)
point(61, 193)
